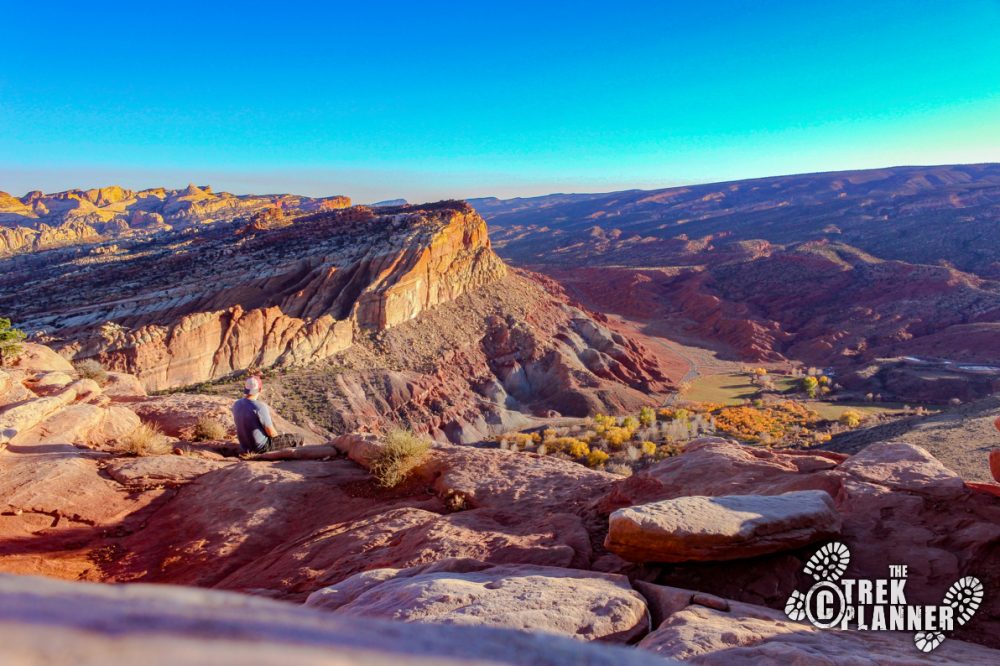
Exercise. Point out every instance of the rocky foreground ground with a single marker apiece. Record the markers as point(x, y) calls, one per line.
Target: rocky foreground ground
point(482, 556)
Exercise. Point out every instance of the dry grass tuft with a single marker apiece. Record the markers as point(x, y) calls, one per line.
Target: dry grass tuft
point(91, 369)
point(620, 469)
point(401, 453)
point(209, 429)
point(146, 440)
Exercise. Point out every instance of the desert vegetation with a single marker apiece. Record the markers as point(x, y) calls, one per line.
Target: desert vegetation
point(401, 452)
point(146, 440)
point(623, 444)
point(10, 341)
point(91, 369)
point(209, 429)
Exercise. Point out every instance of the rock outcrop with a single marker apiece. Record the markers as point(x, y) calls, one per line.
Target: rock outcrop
point(367, 277)
point(578, 604)
point(60, 623)
point(689, 529)
point(898, 505)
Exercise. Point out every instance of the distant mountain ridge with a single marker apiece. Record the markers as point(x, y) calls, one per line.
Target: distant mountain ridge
point(836, 268)
point(38, 221)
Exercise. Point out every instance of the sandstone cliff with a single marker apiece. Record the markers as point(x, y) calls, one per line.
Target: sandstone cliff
point(420, 322)
point(277, 305)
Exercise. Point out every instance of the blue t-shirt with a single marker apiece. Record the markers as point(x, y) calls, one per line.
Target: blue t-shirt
point(251, 417)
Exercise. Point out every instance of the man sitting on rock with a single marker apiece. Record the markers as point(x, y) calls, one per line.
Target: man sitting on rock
point(254, 426)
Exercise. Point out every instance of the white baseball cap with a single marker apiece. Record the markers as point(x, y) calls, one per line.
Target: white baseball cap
point(253, 385)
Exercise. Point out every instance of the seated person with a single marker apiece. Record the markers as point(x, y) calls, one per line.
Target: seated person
point(254, 427)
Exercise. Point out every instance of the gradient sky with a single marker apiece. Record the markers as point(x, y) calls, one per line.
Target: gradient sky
point(427, 99)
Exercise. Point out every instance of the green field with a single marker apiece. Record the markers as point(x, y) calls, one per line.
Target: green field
point(732, 389)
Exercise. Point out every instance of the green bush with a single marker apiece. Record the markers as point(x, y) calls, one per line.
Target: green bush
point(10, 341)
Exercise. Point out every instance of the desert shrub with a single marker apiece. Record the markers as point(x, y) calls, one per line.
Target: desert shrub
point(88, 368)
point(209, 429)
point(400, 454)
point(668, 450)
point(630, 422)
point(633, 453)
point(146, 440)
point(616, 436)
point(602, 423)
point(851, 418)
point(648, 448)
point(542, 450)
point(596, 458)
point(578, 449)
point(647, 416)
point(620, 469)
point(810, 385)
point(10, 341)
point(548, 434)
point(520, 440)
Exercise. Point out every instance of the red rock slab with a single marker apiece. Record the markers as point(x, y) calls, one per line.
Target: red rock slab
point(68, 624)
point(580, 604)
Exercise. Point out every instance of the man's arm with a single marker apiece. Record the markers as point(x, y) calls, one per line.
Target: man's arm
point(264, 414)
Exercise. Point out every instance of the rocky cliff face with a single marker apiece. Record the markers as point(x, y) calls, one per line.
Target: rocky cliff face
point(201, 310)
point(489, 361)
point(37, 220)
point(396, 316)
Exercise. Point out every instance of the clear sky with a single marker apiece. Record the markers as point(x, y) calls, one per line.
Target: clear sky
point(428, 99)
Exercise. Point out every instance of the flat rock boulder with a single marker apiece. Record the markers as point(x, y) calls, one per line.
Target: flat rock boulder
point(580, 604)
point(124, 387)
point(73, 624)
point(50, 382)
point(700, 529)
point(154, 471)
point(903, 466)
point(36, 358)
point(64, 487)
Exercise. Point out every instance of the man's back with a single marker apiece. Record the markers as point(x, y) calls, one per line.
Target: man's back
point(252, 417)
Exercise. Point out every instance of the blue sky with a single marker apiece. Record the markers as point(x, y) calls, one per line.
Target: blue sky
point(426, 100)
